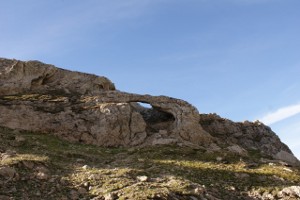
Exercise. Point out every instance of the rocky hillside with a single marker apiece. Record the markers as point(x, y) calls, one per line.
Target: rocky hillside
point(40, 166)
point(70, 135)
point(248, 136)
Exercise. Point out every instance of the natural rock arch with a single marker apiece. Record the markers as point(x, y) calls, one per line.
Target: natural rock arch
point(93, 111)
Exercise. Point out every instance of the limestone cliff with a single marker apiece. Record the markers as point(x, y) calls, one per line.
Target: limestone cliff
point(86, 108)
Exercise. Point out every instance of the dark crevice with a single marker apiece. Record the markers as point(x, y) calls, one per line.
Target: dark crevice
point(47, 79)
point(155, 118)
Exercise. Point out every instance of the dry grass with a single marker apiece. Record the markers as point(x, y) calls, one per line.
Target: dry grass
point(172, 172)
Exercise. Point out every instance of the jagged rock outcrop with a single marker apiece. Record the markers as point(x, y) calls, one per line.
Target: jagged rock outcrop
point(248, 135)
point(86, 108)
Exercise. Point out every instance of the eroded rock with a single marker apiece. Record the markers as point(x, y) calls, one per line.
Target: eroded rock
point(18, 77)
point(253, 136)
point(85, 108)
point(109, 119)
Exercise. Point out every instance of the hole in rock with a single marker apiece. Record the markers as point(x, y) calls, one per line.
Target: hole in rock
point(145, 105)
point(156, 118)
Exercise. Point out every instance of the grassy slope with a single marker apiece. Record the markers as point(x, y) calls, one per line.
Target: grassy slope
point(49, 168)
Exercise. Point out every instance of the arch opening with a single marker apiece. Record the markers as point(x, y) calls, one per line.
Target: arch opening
point(155, 118)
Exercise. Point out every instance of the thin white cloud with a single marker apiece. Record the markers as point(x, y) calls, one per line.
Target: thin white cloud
point(289, 132)
point(281, 114)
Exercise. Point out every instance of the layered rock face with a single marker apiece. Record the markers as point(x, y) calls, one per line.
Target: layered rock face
point(86, 108)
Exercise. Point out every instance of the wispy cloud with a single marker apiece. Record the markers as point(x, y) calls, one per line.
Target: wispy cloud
point(281, 114)
point(288, 132)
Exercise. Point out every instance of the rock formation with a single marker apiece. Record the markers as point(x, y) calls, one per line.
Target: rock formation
point(19, 77)
point(249, 135)
point(86, 108)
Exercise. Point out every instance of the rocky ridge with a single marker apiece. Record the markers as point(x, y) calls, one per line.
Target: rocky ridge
point(19, 77)
point(38, 100)
point(87, 108)
point(253, 136)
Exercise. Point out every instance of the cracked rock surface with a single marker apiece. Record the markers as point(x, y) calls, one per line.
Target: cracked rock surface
point(86, 108)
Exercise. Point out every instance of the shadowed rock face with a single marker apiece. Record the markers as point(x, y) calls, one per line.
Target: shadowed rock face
point(86, 108)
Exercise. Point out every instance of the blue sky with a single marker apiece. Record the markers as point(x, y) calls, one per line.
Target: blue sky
point(237, 58)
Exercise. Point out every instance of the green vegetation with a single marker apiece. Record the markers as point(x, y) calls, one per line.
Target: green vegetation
point(55, 169)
